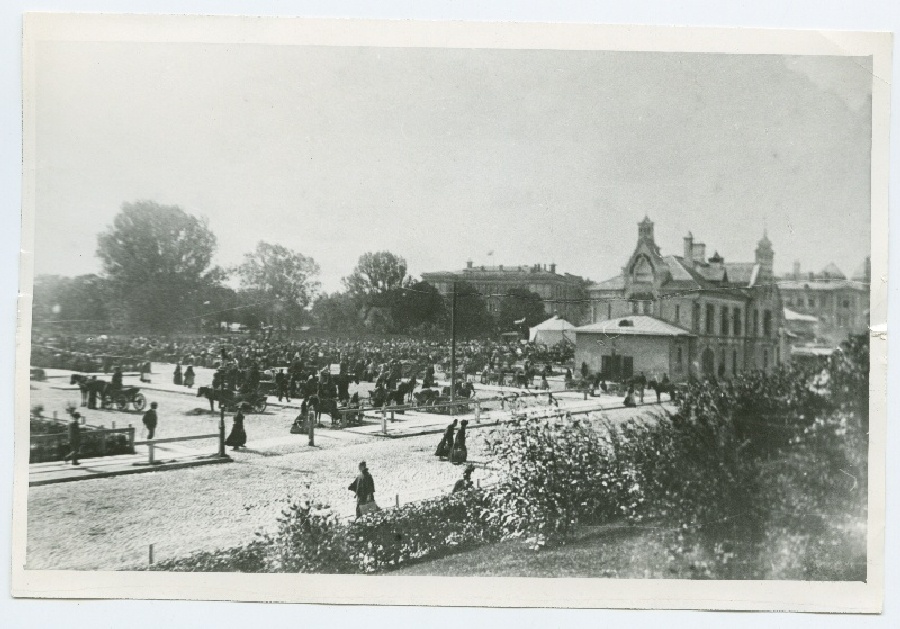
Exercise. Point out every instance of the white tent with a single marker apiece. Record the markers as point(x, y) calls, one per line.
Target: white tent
point(552, 331)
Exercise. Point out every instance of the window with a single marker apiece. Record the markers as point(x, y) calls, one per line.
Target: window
point(678, 321)
point(609, 310)
point(756, 323)
point(643, 270)
point(846, 303)
point(767, 323)
point(737, 321)
point(710, 318)
point(678, 358)
point(634, 307)
point(647, 307)
point(695, 324)
point(811, 302)
point(723, 326)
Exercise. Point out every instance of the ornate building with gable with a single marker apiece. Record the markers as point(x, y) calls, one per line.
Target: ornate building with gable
point(722, 317)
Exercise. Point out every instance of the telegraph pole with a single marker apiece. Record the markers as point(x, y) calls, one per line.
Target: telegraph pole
point(453, 347)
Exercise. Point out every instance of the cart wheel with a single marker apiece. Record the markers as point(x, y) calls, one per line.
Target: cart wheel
point(139, 401)
point(121, 403)
point(260, 406)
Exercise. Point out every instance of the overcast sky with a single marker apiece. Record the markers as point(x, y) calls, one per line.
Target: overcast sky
point(444, 155)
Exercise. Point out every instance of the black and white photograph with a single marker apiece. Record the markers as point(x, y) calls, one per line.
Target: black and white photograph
point(554, 307)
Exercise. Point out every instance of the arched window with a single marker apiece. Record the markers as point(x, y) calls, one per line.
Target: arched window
point(643, 271)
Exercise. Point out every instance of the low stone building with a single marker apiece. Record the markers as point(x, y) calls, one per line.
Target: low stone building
point(621, 348)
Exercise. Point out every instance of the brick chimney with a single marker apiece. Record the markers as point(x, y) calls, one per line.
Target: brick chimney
point(553, 268)
point(698, 255)
point(796, 269)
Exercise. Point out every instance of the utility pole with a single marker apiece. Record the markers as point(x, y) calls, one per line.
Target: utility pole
point(453, 349)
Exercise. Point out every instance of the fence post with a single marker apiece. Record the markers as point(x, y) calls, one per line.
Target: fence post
point(477, 412)
point(151, 554)
point(383, 420)
point(222, 435)
point(397, 500)
point(150, 449)
point(312, 428)
point(392, 416)
point(130, 439)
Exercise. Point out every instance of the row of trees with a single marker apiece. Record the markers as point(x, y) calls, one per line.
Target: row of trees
point(158, 277)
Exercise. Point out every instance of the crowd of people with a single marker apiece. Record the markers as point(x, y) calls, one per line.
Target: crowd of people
point(103, 352)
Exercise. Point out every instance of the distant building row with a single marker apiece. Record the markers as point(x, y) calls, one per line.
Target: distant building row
point(562, 294)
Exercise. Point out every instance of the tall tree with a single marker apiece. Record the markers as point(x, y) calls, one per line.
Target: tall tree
point(472, 316)
point(518, 304)
point(281, 278)
point(337, 312)
point(376, 273)
point(418, 304)
point(158, 260)
point(70, 303)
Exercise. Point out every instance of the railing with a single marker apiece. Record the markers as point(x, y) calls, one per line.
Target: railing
point(152, 444)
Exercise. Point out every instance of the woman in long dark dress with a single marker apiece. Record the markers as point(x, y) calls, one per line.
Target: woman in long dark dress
point(459, 453)
point(189, 377)
point(446, 445)
point(237, 438)
point(177, 379)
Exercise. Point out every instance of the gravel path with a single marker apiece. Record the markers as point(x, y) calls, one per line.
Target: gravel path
point(109, 523)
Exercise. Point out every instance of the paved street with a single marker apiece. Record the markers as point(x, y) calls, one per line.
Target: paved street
point(109, 523)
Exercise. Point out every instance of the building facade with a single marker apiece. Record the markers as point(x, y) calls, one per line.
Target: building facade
point(562, 294)
point(732, 311)
point(840, 305)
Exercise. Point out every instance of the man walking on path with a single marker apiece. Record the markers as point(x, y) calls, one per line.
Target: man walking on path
point(364, 488)
point(74, 439)
point(150, 420)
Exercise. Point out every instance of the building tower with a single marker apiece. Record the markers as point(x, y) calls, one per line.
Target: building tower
point(645, 229)
point(765, 256)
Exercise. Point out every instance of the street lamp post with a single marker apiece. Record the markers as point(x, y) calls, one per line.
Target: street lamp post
point(453, 350)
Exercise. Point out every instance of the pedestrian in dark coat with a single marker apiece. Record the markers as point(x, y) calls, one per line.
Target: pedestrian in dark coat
point(177, 379)
point(446, 445)
point(150, 420)
point(74, 439)
point(238, 436)
point(364, 488)
point(459, 454)
point(189, 377)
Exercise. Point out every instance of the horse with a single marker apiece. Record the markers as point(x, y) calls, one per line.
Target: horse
point(214, 395)
point(662, 387)
point(426, 395)
point(85, 385)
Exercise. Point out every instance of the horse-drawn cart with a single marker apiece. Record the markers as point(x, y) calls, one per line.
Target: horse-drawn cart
point(123, 397)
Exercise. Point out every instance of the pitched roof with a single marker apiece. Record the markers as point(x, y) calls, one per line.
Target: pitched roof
point(742, 273)
point(613, 283)
point(554, 323)
point(821, 285)
point(638, 325)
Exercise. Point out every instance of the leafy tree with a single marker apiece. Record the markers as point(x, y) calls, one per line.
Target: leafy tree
point(416, 305)
point(337, 312)
point(518, 304)
point(376, 273)
point(157, 259)
point(70, 303)
point(282, 279)
point(472, 316)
